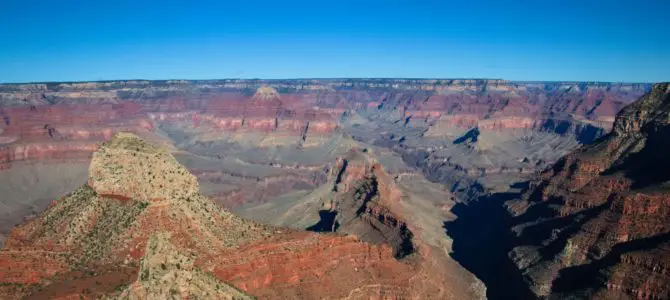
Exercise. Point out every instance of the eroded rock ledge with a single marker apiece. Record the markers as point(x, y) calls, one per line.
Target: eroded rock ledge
point(596, 223)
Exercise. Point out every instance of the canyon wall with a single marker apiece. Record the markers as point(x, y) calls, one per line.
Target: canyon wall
point(156, 235)
point(313, 121)
point(595, 224)
point(38, 115)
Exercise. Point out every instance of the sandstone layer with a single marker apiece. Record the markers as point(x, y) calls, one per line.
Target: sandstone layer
point(365, 202)
point(363, 198)
point(488, 103)
point(596, 223)
point(128, 233)
point(65, 121)
point(269, 149)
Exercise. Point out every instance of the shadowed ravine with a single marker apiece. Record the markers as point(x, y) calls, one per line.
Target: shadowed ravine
point(481, 241)
point(327, 222)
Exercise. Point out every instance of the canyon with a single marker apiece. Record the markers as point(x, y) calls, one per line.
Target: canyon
point(350, 179)
point(128, 217)
point(596, 223)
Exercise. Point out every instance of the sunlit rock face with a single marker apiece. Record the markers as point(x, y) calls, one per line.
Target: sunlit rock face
point(254, 140)
point(127, 234)
point(284, 152)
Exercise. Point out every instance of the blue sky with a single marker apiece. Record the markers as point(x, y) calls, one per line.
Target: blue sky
point(592, 40)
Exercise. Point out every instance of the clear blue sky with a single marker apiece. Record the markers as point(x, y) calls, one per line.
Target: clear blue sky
point(603, 40)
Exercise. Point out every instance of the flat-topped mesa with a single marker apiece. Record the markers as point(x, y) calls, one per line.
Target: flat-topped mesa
point(127, 167)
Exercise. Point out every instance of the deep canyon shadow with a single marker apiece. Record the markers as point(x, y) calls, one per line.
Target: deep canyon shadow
point(327, 223)
point(481, 240)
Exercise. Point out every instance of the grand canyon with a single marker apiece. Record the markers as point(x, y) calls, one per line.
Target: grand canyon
point(334, 189)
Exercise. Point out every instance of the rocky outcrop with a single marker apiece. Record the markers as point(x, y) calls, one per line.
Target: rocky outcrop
point(166, 273)
point(180, 243)
point(365, 202)
point(595, 224)
point(311, 267)
point(130, 168)
point(65, 118)
point(269, 121)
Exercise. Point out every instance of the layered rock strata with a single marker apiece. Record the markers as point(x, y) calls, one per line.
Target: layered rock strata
point(141, 221)
point(596, 223)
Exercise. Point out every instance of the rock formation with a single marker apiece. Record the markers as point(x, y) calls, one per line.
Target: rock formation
point(362, 198)
point(139, 228)
point(68, 132)
point(260, 147)
point(67, 120)
point(595, 225)
point(165, 273)
point(363, 202)
point(496, 103)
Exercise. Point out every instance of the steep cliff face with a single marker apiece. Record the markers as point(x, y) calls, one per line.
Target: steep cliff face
point(401, 212)
point(365, 202)
point(472, 100)
point(64, 132)
point(51, 145)
point(258, 141)
point(139, 228)
point(596, 223)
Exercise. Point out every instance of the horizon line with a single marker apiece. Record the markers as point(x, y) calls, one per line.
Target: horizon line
point(336, 78)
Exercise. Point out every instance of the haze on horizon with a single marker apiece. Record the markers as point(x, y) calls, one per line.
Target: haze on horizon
point(589, 40)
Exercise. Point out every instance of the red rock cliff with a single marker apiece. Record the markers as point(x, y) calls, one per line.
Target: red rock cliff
point(137, 192)
point(596, 223)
